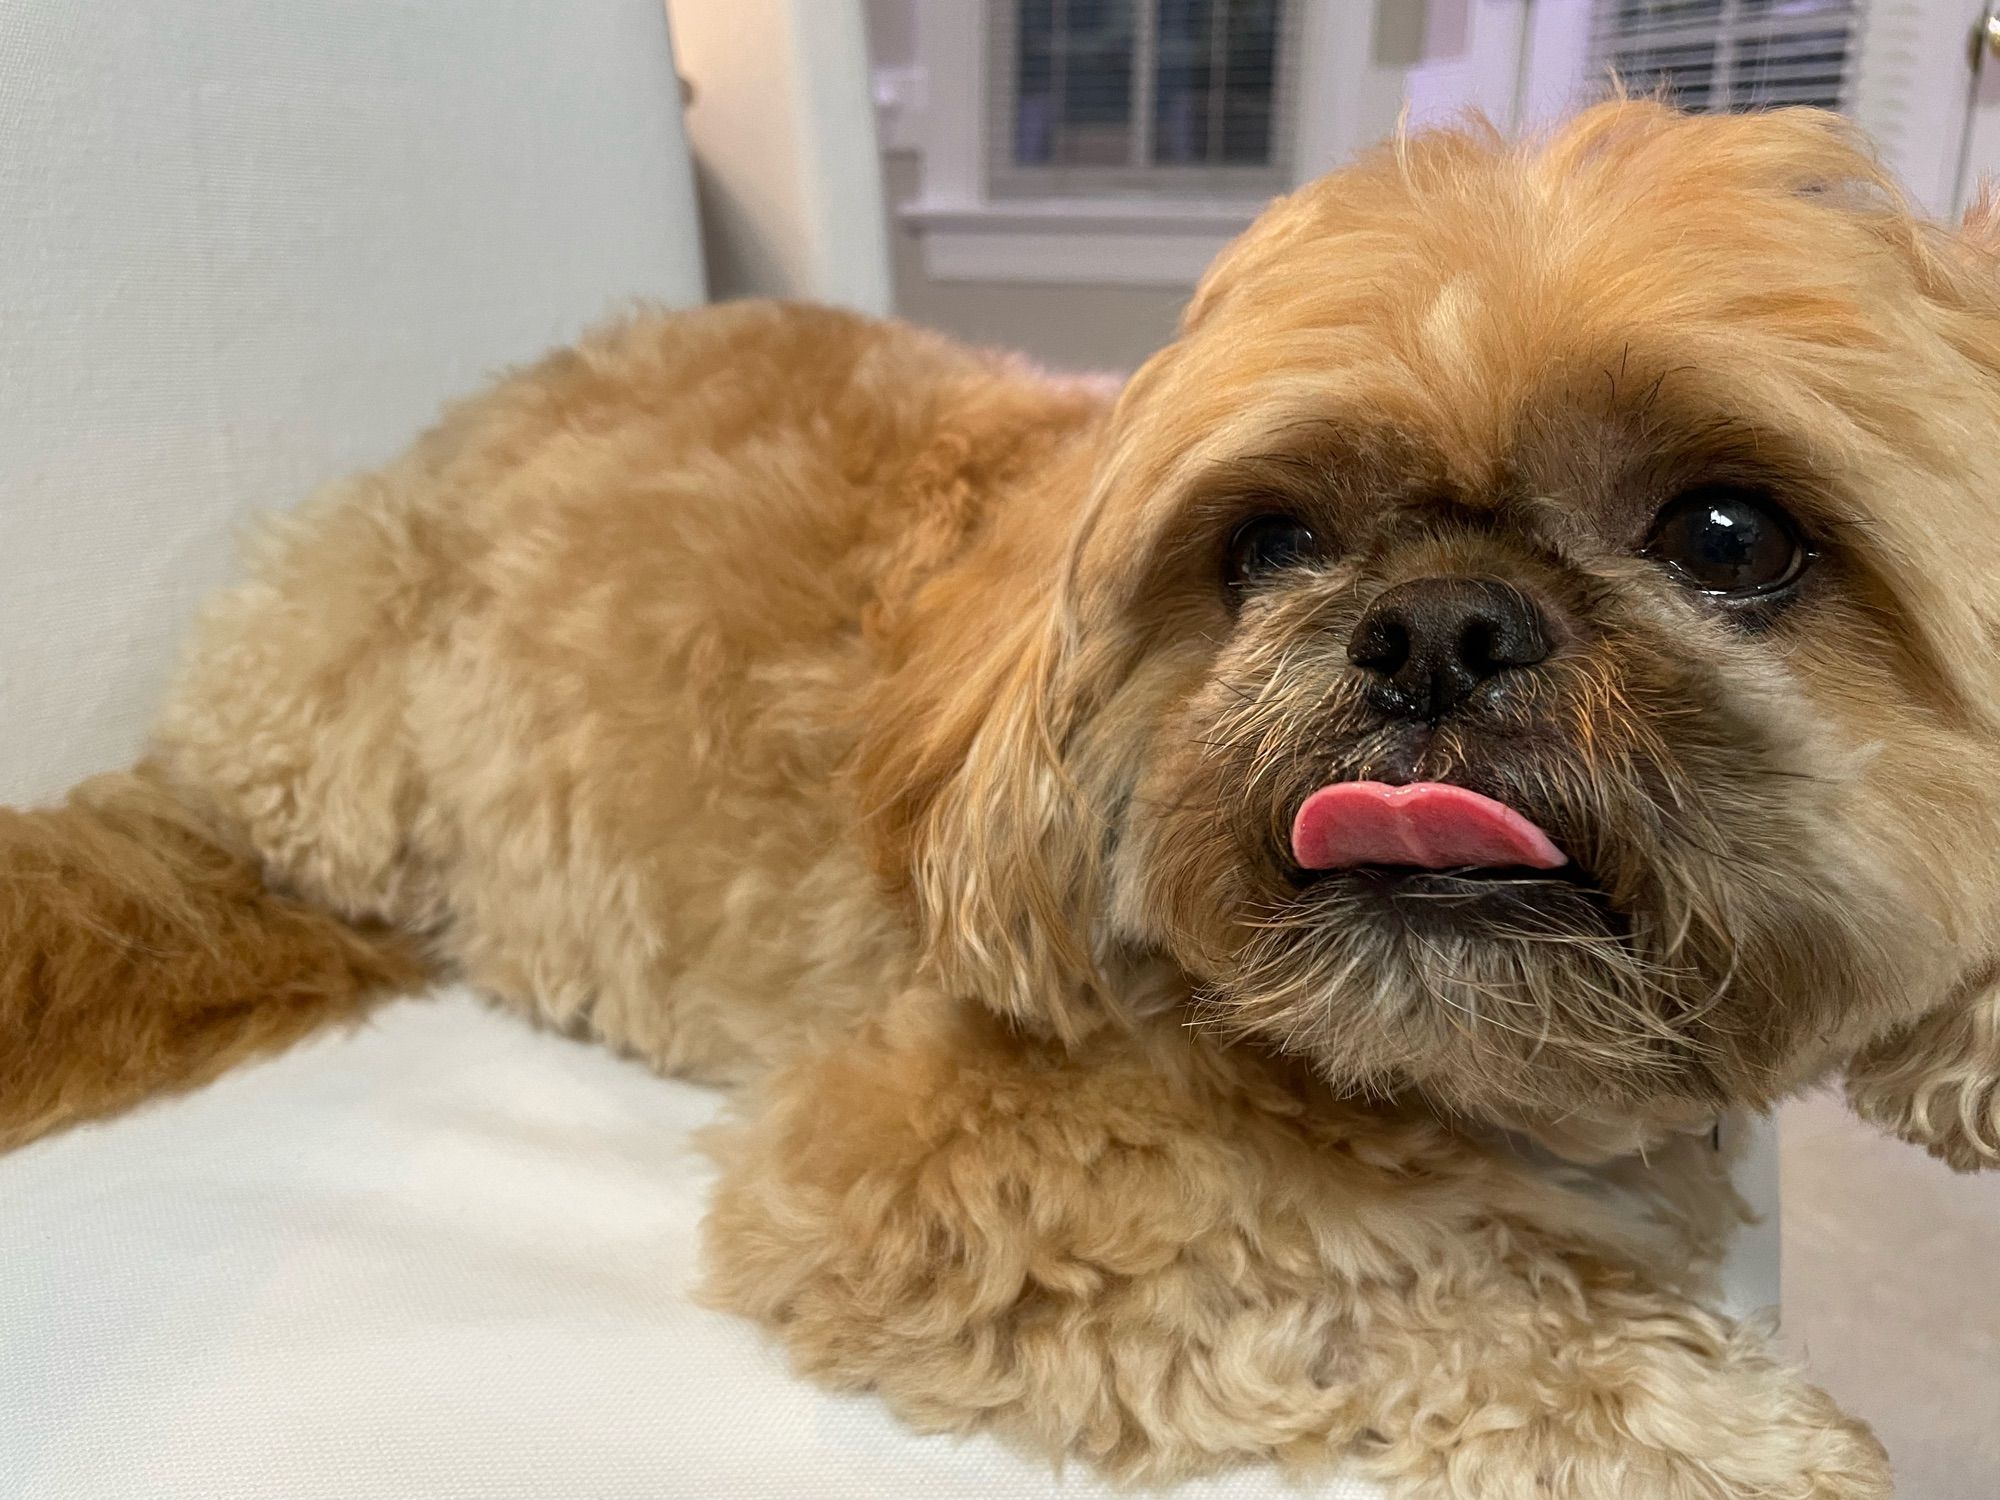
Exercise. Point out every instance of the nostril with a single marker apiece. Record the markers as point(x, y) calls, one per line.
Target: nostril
point(1476, 646)
point(1381, 643)
point(1512, 635)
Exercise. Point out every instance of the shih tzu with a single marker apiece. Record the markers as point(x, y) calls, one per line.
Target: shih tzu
point(1177, 875)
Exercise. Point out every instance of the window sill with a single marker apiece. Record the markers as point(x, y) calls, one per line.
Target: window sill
point(1090, 241)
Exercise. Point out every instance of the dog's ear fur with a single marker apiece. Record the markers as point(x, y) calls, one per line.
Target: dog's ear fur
point(975, 813)
point(1980, 228)
point(972, 811)
point(1936, 1081)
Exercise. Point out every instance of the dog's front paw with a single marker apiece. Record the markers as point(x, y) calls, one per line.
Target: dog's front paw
point(1845, 1461)
point(1817, 1453)
point(1954, 1116)
point(1936, 1082)
point(1825, 1457)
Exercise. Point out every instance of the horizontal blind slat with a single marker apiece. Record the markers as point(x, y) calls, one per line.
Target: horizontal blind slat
point(1731, 54)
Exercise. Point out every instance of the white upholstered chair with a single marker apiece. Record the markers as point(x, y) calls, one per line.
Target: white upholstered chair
point(246, 245)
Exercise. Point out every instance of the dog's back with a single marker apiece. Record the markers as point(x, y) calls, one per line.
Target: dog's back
point(568, 692)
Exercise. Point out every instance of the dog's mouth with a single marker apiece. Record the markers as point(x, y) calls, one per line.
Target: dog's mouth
point(1489, 886)
point(1441, 853)
point(1499, 903)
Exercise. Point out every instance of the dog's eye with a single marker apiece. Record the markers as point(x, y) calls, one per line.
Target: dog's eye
point(1732, 543)
point(1263, 546)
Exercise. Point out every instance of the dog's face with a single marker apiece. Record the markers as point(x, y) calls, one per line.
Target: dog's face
point(1530, 638)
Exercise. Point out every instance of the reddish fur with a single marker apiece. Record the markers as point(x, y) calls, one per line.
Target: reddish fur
point(140, 954)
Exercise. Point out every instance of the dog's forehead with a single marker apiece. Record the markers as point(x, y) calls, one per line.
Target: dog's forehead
point(1605, 424)
point(1531, 346)
point(1628, 203)
point(1475, 352)
point(1458, 284)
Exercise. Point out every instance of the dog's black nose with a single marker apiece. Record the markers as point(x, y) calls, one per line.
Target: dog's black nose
point(1431, 642)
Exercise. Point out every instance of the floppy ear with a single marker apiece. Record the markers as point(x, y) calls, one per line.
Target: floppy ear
point(973, 808)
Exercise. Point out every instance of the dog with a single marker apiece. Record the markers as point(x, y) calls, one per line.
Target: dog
point(1176, 877)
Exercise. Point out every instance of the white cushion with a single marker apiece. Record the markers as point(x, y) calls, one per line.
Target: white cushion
point(445, 1256)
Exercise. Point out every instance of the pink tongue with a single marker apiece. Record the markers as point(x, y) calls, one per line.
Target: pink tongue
point(1429, 824)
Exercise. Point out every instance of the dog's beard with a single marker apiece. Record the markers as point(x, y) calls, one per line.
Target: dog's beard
point(1710, 930)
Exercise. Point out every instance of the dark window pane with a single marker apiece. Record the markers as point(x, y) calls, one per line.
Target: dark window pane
point(1183, 78)
point(1684, 72)
point(1097, 83)
point(1630, 15)
point(1208, 97)
point(1073, 82)
point(1034, 83)
point(1215, 81)
point(1250, 82)
point(1744, 55)
point(1803, 68)
point(1795, 7)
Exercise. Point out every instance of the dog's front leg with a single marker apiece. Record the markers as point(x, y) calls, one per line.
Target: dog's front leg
point(1936, 1082)
point(1163, 1259)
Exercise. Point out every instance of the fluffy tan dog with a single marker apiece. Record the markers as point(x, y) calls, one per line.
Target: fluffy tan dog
point(1521, 665)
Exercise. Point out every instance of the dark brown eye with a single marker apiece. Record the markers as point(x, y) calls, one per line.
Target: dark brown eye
point(1266, 545)
point(1735, 544)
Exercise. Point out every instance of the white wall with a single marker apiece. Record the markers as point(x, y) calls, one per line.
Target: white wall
point(1066, 327)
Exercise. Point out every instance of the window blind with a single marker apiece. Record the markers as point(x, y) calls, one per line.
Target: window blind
point(1729, 55)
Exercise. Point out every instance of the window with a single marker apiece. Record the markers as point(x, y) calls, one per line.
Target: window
point(1726, 55)
point(1127, 141)
point(1120, 97)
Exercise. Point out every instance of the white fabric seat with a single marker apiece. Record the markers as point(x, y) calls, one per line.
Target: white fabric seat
point(445, 1256)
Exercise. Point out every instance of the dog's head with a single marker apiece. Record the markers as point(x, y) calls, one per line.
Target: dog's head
point(1531, 637)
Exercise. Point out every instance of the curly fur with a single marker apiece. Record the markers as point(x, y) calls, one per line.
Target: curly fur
point(808, 703)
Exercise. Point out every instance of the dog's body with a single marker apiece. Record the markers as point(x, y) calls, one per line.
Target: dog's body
point(808, 704)
point(576, 688)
